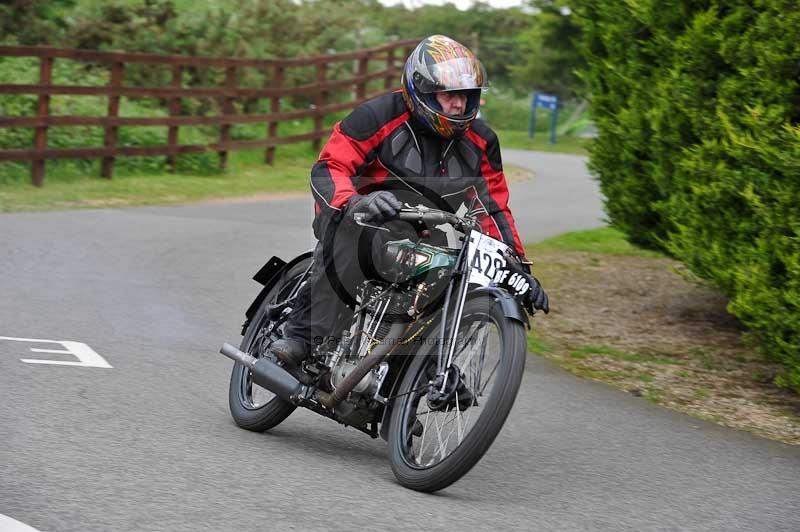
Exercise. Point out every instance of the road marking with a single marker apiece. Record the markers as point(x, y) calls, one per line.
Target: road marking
point(86, 356)
point(12, 525)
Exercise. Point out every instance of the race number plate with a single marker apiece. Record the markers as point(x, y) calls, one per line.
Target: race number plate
point(489, 266)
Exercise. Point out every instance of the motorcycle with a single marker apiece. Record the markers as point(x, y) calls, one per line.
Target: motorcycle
point(430, 359)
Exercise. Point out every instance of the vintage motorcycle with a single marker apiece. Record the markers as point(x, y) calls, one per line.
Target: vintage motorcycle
point(431, 358)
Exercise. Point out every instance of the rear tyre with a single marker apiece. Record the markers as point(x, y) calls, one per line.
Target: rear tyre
point(253, 407)
point(434, 442)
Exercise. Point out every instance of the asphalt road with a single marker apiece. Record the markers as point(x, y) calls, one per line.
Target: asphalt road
point(149, 445)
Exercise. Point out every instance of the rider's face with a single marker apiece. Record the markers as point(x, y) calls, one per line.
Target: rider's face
point(453, 103)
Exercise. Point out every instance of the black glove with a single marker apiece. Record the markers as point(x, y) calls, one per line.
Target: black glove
point(536, 298)
point(376, 206)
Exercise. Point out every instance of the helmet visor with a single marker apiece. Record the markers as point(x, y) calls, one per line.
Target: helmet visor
point(462, 73)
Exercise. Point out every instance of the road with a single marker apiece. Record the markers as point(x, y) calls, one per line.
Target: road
point(148, 444)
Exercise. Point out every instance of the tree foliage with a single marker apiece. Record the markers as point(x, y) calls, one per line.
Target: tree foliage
point(259, 28)
point(697, 104)
point(33, 21)
point(491, 32)
point(550, 57)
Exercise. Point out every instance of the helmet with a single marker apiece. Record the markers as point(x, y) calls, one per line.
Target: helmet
point(437, 64)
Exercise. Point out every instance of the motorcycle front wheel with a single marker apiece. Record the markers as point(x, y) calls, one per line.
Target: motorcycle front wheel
point(435, 438)
point(253, 407)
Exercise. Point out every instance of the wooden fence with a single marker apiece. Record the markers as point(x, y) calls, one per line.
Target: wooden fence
point(361, 74)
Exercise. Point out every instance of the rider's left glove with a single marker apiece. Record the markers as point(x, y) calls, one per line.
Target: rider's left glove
point(536, 298)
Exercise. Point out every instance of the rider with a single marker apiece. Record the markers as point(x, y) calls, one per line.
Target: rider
point(422, 144)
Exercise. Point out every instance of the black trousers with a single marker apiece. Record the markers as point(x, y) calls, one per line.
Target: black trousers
point(345, 256)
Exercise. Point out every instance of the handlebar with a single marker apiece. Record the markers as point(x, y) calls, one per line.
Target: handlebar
point(429, 216)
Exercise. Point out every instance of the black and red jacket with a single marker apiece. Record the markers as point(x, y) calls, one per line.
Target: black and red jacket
point(379, 146)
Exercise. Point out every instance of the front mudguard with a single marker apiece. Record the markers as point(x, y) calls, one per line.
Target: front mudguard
point(511, 307)
point(268, 275)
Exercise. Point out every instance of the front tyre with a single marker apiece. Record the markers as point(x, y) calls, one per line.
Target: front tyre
point(253, 407)
point(433, 442)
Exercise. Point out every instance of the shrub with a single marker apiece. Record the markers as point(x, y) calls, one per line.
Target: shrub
point(698, 111)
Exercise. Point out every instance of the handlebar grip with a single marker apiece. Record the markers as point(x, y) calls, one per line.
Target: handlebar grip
point(430, 217)
point(410, 216)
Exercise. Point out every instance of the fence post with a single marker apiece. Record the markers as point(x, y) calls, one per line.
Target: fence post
point(43, 109)
point(274, 107)
point(389, 80)
point(406, 53)
point(174, 110)
point(227, 109)
point(107, 166)
point(319, 102)
point(361, 86)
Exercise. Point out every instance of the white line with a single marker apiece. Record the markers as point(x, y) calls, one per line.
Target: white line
point(86, 356)
point(12, 525)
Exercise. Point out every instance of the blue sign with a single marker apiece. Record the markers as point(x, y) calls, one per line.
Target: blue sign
point(546, 101)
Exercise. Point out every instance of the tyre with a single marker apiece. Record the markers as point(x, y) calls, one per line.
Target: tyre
point(253, 407)
point(434, 438)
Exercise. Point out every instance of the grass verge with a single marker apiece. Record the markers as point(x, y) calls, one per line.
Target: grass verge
point(630, 318)
point(246, 175)
point(519, 140)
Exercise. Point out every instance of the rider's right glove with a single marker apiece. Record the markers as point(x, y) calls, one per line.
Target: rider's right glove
point(376, 206)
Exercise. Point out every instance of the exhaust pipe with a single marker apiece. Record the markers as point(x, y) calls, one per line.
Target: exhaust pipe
point(375, 357)
point(267, 374)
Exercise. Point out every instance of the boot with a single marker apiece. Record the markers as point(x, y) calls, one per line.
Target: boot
point(290, 351)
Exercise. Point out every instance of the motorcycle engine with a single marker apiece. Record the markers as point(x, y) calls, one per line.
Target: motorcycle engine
point(378, 321)
point(369, 385)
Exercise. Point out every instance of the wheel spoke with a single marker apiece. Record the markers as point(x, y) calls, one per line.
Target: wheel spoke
point(439, 434)
point(422, 440)
point(449, 435)
point(489, 378)
point(479, 370)
point(458, 417)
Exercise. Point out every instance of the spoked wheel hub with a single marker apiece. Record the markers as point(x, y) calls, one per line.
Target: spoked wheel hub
point(448, 389)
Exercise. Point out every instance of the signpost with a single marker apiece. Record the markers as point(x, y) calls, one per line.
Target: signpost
point(546, 101)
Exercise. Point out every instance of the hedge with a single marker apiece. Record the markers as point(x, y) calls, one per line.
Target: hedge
point(697, 105)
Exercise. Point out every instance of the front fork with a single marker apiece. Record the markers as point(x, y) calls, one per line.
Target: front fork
point(461, 279)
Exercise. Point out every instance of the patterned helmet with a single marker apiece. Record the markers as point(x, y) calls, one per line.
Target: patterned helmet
point(437, 64)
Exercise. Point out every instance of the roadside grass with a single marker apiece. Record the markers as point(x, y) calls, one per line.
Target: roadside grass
point(536, 345)
point(629, 318)
point(75, 184)
point(246, 175)
point(519, 140)
point(602, 240)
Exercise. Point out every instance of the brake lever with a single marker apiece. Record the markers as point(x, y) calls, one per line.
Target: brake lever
point(359, 219)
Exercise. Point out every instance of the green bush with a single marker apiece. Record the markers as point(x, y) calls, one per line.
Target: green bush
point(697, 106)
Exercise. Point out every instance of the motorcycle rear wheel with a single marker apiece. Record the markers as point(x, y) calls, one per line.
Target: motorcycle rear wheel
point(253, 407)
point(432, 445)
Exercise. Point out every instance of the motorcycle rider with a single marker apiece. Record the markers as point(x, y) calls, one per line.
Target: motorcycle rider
point(422, 143)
